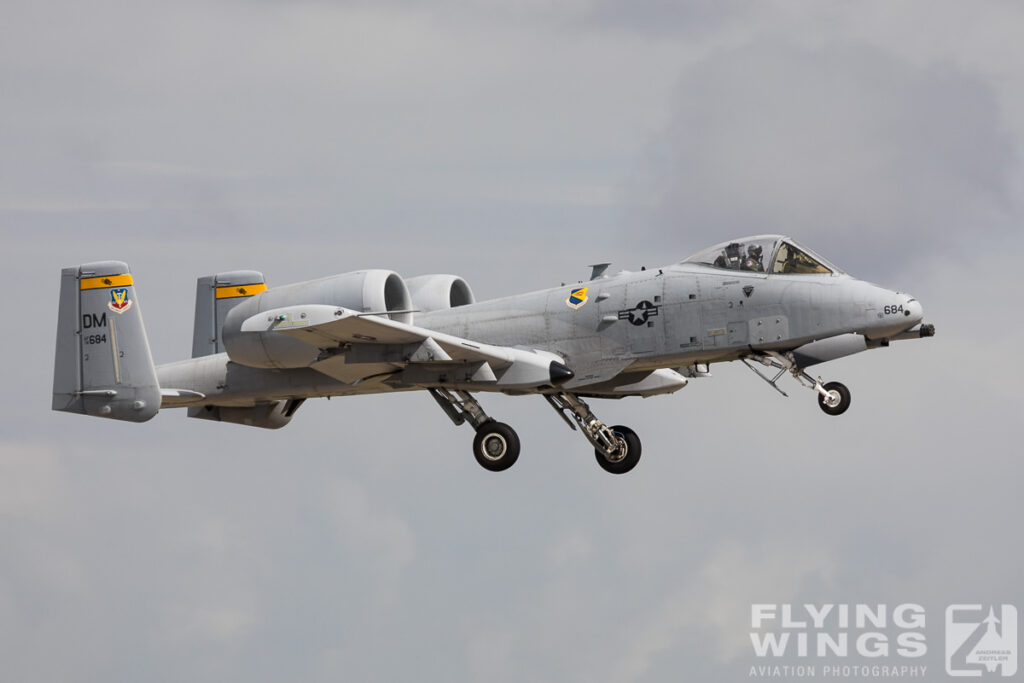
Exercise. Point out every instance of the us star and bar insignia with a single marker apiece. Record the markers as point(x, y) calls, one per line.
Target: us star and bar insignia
point(639, 314)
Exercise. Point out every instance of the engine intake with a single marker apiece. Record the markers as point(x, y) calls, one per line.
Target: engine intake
point(439, 292)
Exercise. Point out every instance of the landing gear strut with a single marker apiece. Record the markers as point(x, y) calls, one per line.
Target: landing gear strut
point(616, 448)
point(496, 445)
point(833, 398)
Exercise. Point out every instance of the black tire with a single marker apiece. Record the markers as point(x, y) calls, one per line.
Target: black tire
point(631, 457)
point(844, 399)
point(496, 446)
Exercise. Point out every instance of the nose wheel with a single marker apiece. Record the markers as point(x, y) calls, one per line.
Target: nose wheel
point(835, 398)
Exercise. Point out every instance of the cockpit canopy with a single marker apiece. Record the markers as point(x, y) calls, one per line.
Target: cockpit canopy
point(764, 254)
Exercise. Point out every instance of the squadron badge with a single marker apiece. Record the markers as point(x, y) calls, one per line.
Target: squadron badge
point(577, 298)
point(119, 301)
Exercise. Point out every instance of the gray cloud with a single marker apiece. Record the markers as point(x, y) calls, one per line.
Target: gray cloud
point(666, 18)
point(362, 542)
point(880, 161)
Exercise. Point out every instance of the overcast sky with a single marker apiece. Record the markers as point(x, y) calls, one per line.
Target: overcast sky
point(512, 144)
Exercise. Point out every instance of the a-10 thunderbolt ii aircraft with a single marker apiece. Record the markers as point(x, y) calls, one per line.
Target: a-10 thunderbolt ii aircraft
point(258, 353)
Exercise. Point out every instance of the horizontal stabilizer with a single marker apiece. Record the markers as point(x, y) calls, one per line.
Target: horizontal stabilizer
point(177, 398)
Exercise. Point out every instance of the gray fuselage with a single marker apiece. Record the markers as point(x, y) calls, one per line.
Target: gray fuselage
point(696, 315)
point(630, 322)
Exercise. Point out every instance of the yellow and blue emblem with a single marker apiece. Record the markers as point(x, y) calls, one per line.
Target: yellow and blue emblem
point(577, 297)
point(119, 301)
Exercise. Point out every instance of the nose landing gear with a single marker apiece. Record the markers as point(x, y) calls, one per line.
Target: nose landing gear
point(833, 398)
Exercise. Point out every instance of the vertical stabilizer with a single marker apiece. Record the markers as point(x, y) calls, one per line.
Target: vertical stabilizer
point(215, 296)
point(103, 366)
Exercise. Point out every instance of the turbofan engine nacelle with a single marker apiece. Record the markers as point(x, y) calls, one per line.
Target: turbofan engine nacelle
point(368, 291)
point(439, 292)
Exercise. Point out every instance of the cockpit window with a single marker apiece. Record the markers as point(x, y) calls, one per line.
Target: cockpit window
point(764, 254)
point(751, 255)
point(794, 261)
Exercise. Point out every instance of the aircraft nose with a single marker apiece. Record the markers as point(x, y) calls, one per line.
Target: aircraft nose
point(913, 311)
point(891, 313)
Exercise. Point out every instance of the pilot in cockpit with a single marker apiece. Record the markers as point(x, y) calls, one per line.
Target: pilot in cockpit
point(733, 258)
point(753, 260)
point(730, 257)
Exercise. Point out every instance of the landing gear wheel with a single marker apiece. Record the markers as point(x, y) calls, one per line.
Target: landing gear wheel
point(628, 455)
point(838, 399)
point(496, 446)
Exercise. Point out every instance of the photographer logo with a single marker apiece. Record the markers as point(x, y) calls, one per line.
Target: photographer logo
point(980, 641)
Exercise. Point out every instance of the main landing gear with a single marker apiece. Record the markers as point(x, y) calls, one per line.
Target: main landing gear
point(496, 445)
point(833, 398)
point(616, 448)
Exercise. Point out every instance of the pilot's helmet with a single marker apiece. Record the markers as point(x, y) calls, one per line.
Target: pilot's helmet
point(754, 251)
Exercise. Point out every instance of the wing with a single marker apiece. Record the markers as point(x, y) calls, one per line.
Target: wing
point(357, 346)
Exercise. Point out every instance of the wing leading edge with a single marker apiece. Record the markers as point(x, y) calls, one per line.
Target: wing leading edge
point(355, 347)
